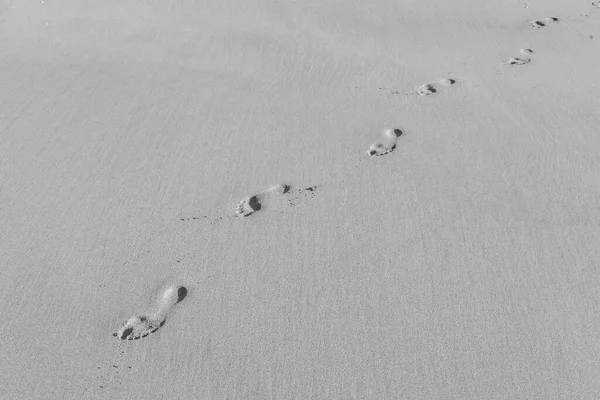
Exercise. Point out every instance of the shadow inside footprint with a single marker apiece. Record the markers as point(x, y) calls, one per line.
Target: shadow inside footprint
point(125, 333)
point(254, 204)
point(181, 294)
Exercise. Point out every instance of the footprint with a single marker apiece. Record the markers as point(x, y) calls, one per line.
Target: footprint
point(254, 203)
point(142, 325)
point(537, 24)
point(518, 61)
point(387, 144)
point(428, 89)
point(521, 61)
point(545, 22)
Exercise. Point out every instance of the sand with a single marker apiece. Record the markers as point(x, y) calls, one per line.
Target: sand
point(460, 264)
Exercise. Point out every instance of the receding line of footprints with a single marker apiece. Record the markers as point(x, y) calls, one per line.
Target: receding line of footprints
point(142, 325)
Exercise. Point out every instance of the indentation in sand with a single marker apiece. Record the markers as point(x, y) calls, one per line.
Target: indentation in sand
point(426, 89)
point(387, 144)
point(251, 204)
point(521, 60)
point(140, 326)
point(537, 24)
point(430, 88)
point(518, 61)
point(545, 22)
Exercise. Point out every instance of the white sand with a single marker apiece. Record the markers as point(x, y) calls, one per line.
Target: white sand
point(461, 265)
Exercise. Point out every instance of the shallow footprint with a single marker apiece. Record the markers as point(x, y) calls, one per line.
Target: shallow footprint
point(140, 326)
point(545, 22)
point(447, 82)
point(428, 89)
point(387, 144)
point(537, 24)
point(251, 204)
point(518, 61)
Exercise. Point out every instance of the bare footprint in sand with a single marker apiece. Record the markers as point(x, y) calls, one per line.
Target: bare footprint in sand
point(518, 61)
point(427, 89)
point(537, 24)
point(251, 204)
point(140, 326)
point(545, 22)
point(385, 145)
point(275, 199)
point(521, 60)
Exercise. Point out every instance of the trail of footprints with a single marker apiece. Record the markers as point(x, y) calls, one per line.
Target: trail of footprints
point(525, 57)
point(277, 197)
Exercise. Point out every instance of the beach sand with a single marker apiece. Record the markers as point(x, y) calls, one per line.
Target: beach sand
point(223, 146)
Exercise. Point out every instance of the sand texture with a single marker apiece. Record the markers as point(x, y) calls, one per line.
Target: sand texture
point(385, 199)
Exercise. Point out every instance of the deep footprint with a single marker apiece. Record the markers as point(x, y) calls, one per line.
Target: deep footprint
point(387, 144)
point(140, 326)
point(251, 204)
point(427, 89)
